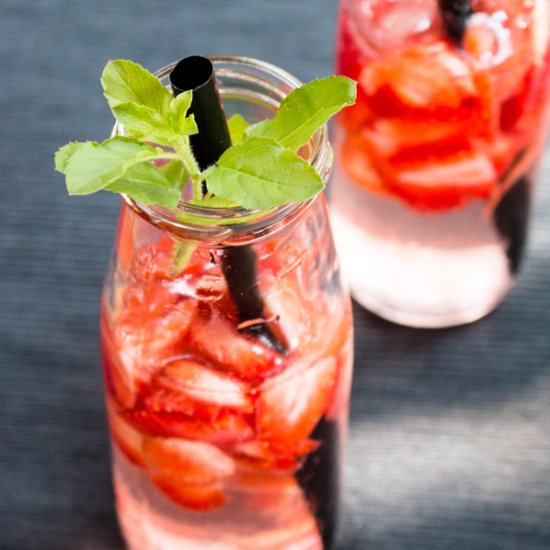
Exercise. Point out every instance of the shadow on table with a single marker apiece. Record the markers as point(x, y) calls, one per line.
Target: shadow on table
point(447, 432)
point(484, 527)
point(400, 369)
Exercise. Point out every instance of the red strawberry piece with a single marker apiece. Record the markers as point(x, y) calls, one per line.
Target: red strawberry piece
point(124, 436)
point(392, 136)
point(502, 151)
point(290, 404)
point(218, 341)
point(421, 77)
point(433, 176)
point(148, 334)
point(187, 495)
point(357, 116)
point(227, 428)
point(193, 462)
point(155, 318)
point(259, 455)
point(122, 375)
point(445, 181)
point(191, 388)
point(302, 317)
point(358, 166)
point(189, 473)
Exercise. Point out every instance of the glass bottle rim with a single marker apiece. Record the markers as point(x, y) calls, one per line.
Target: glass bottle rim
point(238, 224)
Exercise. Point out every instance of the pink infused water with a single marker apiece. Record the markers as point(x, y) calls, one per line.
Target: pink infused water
point(219, 440)
point(434, 168)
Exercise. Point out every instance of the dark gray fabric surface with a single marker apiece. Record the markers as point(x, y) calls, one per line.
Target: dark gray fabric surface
point(449, 436)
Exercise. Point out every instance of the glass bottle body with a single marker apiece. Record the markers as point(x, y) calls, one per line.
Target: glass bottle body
point(221, 437)
point(435, 164)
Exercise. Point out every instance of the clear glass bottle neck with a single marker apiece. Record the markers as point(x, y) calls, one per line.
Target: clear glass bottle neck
point(257, 88)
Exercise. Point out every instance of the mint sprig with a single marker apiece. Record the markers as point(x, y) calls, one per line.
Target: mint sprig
point(237, 127)
point(154, 161)
point(305, 110)
point(119, 164)
point(260, 173)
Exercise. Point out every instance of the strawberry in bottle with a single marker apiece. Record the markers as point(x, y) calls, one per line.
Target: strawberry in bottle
point(217, 413)
point(452, 114)
point(225, 329)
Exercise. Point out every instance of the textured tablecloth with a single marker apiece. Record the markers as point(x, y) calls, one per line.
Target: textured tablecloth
point(450, 430)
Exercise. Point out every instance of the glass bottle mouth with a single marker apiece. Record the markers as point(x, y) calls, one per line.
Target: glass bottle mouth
point(261, 87)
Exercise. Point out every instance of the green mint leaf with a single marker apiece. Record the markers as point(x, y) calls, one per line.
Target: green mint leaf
point(259, 173)
point(94, 166)
point(237, 126)
point(124, 81)
point(64, 154)
point(147, 125)
point(147, 184)
point(175, 172)
point(147, 110)
point(182, 124)
point(304, 110)
point(140, 121)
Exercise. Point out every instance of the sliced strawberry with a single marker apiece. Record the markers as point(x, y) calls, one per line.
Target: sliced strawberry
point(189, 461)
point(291, 403)
point(486, 118)
point(190, 473)
point(445, 181)
point(358, 167)
point(191, 388)
point(502, 152)
point(503, 46)
point(195, 497)
point(217, 341)
point(141, 343)
point(154, 328)
point(421, 76)
point(433, 176)
point(259, 455)
point(227, 428)
point(122, 374)
point(127, 439)
point(358, 115)
point(392, 136)
point(304, 318)
point(157, 315)
point(169, 329)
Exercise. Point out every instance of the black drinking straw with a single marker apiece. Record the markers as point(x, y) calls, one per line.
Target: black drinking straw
point(455, 15)
point(196, 73)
